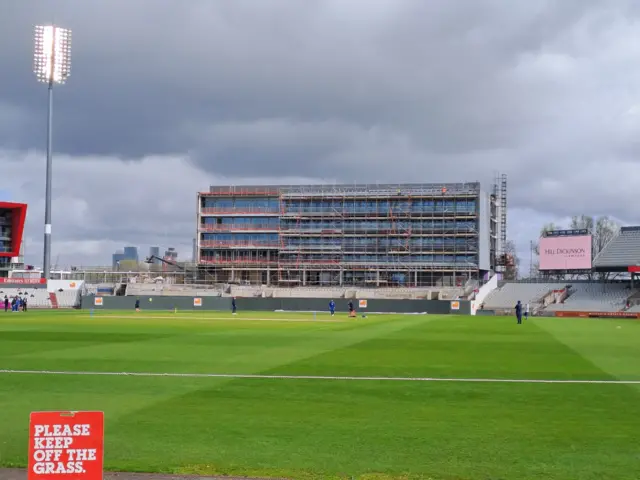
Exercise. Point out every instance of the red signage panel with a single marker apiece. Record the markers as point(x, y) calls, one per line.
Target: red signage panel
point(18, 214)
point(66, 445)
point(598, 314)
point(23, 281)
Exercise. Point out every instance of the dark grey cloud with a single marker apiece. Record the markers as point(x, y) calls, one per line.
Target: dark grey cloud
point(166, 96)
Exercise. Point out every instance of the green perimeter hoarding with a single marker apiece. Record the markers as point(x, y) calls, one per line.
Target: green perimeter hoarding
point(439, 307)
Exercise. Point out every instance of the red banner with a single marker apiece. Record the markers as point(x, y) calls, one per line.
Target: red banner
point(634, 269)
point(66, 445)
point(23, 281)
point(598, 314)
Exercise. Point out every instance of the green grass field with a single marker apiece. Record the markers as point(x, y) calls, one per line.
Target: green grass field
point(328, 428)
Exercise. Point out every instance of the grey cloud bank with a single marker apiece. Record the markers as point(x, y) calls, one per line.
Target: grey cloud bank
point(168, 96)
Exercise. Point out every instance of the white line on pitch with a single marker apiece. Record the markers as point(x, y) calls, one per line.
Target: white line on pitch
point(318, 377)
point(229, 319)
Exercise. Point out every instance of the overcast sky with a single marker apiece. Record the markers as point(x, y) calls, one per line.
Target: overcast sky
point(169, 96)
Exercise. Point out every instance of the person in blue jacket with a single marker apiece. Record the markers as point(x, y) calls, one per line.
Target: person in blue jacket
point(332, 307)
point(519, 312)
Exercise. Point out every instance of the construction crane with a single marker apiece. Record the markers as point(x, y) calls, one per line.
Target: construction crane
point(150, 259)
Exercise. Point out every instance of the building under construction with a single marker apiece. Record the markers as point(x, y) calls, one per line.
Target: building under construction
point(366, 235)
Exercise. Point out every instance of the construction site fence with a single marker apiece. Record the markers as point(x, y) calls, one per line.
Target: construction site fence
point(181, 303)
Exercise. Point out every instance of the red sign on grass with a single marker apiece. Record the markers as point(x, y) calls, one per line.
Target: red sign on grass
point(67, 445)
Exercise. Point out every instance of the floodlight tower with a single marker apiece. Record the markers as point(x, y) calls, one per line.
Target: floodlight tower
point(52, 65)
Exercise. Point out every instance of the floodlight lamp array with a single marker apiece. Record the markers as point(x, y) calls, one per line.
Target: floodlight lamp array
point(52, 54)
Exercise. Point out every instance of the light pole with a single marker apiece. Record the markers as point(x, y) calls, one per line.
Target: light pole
point(52, 65)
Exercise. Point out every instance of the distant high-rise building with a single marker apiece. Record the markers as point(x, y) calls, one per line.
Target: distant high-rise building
point(116, 258)
point(171, 254)
point(154, 252)
point(131, 253)
point(170, 257)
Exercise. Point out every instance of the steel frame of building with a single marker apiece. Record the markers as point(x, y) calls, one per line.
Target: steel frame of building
point(368, 235)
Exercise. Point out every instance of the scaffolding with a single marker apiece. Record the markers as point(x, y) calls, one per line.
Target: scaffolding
point(500, 212)
point(361, 235)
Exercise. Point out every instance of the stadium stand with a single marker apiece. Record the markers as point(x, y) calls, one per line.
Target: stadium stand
point(506, 296)
point(36, 298)
point(68, 298)
point(594, 297)
point(151, 289)
point(634, 309)
point(442, 293)
point(433, 293)
point(622, 250)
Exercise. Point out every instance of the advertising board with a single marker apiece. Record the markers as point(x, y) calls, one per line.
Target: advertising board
point(23, 281)
point(565, 253)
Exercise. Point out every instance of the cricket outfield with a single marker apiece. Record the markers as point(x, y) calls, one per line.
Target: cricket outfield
point(293, 395)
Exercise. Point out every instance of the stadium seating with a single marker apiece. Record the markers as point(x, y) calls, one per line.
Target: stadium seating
point(623, 250)
point(507, 296)
point(36, 297)
point(177, 290)
point(594, 297)
point(68, 298)
point(444, 293)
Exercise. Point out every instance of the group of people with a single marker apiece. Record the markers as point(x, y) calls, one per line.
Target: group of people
point(332, 308)
point(16, 303)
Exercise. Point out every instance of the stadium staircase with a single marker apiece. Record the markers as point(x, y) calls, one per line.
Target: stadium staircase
point(54, 300)
point(634, 300)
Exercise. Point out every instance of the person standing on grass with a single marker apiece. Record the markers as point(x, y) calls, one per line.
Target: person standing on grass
point(352, 311)
point(6, 304)
point(233, 305)
point(137, 305)
point(526, 312)
point(519, 312)
point(332, 307)
point(24, 304)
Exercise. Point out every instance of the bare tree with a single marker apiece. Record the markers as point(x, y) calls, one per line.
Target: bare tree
point(582, 222)
point(512, 261)
point(602, 229)
point(606, 230)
